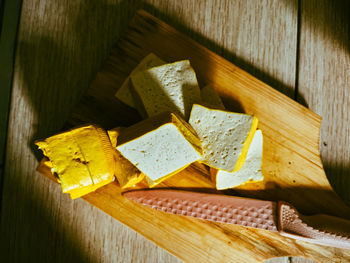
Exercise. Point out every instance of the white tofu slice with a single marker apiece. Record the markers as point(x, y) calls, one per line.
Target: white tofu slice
point(211, 98)
point(251, 170)
point(171, 87)
point(125, 92)
point(160, 146)
point(225, 136)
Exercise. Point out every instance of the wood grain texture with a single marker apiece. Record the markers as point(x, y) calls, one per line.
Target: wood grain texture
point(257, 36)
point(55, 37)
point(9, 17)
point(61, 45)
point(292, 166)
point(324, 82)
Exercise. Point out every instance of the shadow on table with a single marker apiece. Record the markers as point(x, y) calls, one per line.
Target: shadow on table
point(55, 72)
point(53, 89)
point(174, 20)
point(339, 178)
point(329, 19)
point(42, 236)
point(328, 28)
point(327, 23)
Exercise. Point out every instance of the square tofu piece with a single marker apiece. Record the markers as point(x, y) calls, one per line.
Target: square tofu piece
point(225, 136)
point(170, 87)
point(251, 170)
point(125, 92)
point(160, 146)
point(83, 159)
point(211, 98)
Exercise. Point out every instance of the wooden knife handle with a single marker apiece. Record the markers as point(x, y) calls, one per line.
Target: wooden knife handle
point(319, 229)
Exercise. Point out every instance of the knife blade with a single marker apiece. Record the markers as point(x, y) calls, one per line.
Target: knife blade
point(274, 216)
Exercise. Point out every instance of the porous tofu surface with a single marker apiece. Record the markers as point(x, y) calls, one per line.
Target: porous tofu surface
point(170, 87)
point(225, 136)
point(251, 170)
point(160, 152)
point(125, 92)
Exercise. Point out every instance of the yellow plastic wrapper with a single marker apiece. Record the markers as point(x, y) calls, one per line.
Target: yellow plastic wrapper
point(83, 159)
point(127, 174)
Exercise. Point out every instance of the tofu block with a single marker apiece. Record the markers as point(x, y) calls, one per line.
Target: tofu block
point(127, 174)
point(82, 158)
point(225, 136)
point(211, 98)
point(171, 87)
point(160, 146)
point(125, 92)
point(251, 170)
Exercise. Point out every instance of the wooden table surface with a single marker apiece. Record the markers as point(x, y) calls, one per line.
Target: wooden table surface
point(299, 47)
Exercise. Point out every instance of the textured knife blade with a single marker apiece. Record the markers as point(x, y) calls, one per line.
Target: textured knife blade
point(275, 216)
point(219, 208)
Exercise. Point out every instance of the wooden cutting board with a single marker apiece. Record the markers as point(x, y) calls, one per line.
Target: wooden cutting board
point(291, 164)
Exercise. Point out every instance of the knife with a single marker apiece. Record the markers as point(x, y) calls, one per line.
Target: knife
point(277, 216)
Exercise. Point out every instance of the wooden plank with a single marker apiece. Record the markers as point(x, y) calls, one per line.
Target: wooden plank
point(257, 36)
point(324, 29)
point(9, 17)
point(50, 47)
point(61, 45)
point(1, 12)
point(292, 166)
point(324, 82)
